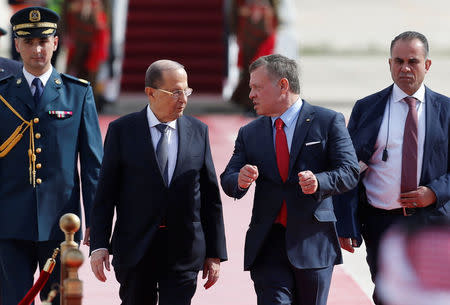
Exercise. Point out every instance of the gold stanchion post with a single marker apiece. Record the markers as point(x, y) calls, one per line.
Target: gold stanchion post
point(72, 259)
point(69, 224)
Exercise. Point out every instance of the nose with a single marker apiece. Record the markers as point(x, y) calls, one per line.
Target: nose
point(37, 49)
point(251, 95)
point(183, 98)
point(406, 68)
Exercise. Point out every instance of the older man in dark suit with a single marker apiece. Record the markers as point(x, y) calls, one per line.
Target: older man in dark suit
point(298, 155)
point(48, 125)
point(158, 175)
point(401, 137)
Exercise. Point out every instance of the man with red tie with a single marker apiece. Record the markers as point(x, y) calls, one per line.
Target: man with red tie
point(401, 137)
point(298, 155)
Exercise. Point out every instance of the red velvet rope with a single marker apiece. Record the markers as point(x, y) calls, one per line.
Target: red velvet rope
point(43, 278)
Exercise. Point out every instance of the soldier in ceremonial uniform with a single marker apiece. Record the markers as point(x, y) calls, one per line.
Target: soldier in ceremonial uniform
point(49, 125)
point(8, 66)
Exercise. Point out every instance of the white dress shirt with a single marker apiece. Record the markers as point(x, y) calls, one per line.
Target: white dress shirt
point(29, 77)
point(172, 139)
point(383, 178)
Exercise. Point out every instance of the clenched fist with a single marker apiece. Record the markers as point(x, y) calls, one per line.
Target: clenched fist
point(247, 175)
point(308, 182)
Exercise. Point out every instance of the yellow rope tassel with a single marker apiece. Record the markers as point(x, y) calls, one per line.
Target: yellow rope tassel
point(33, 155)
point(5, 151)
point(15, 137)
point(11, 137)
point(29, 162)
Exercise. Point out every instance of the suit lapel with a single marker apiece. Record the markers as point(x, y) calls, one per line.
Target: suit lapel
point(371, 119)
point(304, 121)
point(144, 136)
point(266, 147)
point(184, 141)
point(23, 92)
point(51, 92)
point(432, 107)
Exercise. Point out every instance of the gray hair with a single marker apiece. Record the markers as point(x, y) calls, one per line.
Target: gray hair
point(410, 35)
point(153, 76)
point(278, 67)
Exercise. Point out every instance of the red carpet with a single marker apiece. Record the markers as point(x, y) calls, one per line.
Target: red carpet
point(234, 286)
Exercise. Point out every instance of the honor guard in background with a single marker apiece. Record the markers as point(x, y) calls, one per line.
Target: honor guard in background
point(49, 125)
point(8, 66)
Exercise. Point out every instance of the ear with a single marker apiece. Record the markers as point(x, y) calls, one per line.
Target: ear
point(55, 43)
point(16, 44)
point(150, 92)
point(284, 84)
point(427, 64)
point(390, 63)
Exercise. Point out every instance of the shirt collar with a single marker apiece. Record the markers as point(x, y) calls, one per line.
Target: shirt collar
point(153, 121)
point(290, 114)
point(398, 95)
point(44, 77)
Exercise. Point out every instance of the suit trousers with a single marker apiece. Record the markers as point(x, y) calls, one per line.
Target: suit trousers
point(18, 262)
point(277, 282)
point(152, 278)
point(376, 223)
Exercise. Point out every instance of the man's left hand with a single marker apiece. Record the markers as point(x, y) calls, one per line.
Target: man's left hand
point(86, 239)
point(419, 198)
point(211, 270)
point(308, 182)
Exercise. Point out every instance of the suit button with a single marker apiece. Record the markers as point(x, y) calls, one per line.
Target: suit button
point(36, 120)
point(37, 135)
point(39, 166)
point(38, 180)
point(38, 150)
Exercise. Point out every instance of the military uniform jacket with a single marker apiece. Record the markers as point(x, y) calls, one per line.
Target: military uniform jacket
point(8, 67)
point(65, 127)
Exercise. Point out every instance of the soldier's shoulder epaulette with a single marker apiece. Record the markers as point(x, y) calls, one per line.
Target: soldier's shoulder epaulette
point(4, 78)
point(76, 79)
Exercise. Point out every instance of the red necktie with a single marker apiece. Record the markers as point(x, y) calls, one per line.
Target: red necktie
point(282, 152)
point(409, 152)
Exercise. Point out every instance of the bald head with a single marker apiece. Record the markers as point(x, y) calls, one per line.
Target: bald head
point(153, 76)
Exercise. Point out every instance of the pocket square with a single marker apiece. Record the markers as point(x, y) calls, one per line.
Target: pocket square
point(312, 143)
point(60, 114)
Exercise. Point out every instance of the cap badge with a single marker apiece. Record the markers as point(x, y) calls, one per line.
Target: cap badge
point(35, 16)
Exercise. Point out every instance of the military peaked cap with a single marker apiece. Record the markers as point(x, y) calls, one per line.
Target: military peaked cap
point(34, 22)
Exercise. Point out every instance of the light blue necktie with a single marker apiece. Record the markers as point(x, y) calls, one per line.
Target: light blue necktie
point(162, 151)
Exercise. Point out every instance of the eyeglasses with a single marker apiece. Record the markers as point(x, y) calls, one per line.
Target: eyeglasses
point(177, 93)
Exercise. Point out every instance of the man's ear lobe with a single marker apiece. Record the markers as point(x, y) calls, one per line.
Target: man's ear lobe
point(149, 91)
point(284, 84)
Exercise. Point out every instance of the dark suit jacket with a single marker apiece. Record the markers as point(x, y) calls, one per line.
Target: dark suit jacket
point(131, 183)
point(364, 126)
point(311, 238)
point(9, 67)
point(28, 213)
